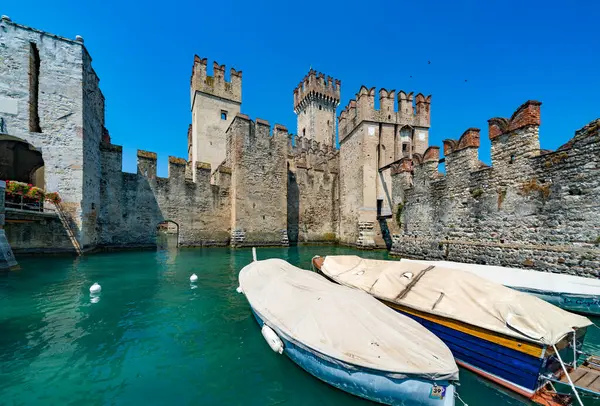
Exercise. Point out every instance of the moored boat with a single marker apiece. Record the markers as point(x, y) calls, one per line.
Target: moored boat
point(569, 292)
point(347, 338)
point(512, 338)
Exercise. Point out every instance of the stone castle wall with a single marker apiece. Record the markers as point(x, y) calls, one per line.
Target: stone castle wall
point(70, 109)
point(258, 162)
point(313, 191)
point(531, 208)
point(133, 204)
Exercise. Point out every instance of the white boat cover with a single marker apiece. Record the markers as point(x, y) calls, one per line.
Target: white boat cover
point(456, 295)
point(344, 324)
point(525, 278)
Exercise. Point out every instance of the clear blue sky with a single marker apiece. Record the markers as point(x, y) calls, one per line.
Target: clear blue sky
point(508, 52)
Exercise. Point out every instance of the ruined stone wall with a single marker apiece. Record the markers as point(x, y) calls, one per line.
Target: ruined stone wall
point(313, 191)
point(531, 208)
point(258, 162)
point(68, 120)
point(132, 205)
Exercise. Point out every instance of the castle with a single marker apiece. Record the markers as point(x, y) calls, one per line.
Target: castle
point(245, 182)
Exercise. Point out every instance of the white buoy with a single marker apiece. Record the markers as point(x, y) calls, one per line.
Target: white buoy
point(193, 278)
point(272, 339)
point(239, 289)
point(95, 288)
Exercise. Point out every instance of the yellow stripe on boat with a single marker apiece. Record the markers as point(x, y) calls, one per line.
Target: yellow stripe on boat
point(500, 339)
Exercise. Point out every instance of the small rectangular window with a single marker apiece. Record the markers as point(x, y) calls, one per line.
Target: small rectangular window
point(404, 147)
point(223, 115)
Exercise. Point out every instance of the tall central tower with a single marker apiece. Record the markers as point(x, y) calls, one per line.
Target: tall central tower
point(315, 101)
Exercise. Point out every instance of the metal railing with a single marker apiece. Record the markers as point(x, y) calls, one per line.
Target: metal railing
point(23, 203)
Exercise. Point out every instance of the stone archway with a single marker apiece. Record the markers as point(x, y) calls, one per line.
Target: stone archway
point(20, 161)
point(167, 234)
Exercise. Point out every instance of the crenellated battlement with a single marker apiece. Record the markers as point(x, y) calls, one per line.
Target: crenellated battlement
point(310, 154)
point(527, 114)
point(215, 85)
point(513, 140)
point(317, 87)
point(411, 111)
point(147, 166)
point(469, 139)
point(252, 134)
point(532, 207)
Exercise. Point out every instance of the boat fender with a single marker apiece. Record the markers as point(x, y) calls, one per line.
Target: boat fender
point(272, 339)
point(239, 289)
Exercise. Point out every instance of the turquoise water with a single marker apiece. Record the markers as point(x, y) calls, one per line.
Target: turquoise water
point(151, 339)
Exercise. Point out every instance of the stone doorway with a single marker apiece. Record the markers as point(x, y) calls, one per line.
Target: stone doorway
point(167, 235)
point(20, 161)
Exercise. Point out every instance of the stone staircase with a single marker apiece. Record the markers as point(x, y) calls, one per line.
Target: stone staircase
point(366, 235)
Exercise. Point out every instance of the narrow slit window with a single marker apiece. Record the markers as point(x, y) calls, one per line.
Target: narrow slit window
point(223, 115)
point(34, 88)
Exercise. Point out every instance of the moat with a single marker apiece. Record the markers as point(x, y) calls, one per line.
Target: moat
point(154, 339)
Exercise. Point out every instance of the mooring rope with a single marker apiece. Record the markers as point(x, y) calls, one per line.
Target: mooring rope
point(459, 398)
point(574, 349)
point(568, 376)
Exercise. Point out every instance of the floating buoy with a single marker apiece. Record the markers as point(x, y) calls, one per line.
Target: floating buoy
point(272, 339)
point(193, 278)
point(95, 288)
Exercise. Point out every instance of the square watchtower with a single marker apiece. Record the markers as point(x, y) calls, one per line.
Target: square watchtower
point(315, 100)
point(214, 104)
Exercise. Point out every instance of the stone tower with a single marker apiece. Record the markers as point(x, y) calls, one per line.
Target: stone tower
point(315, 101)
point(214, 104)
point(371, 141)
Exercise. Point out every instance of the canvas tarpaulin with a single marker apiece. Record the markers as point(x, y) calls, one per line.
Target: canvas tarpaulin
point(343, 323)
point(457, 295)
point(525, 278)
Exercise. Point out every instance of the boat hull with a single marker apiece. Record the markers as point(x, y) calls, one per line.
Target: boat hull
point(584, 304)
point(365, 383)
point(516, 370)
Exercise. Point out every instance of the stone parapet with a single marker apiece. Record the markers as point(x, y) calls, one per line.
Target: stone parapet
point(216, 85)
point(362, 108)
point(315, 86)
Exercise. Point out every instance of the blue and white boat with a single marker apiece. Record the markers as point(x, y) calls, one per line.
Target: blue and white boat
point(347, 338)
point(569, 292)
point(511, 338)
